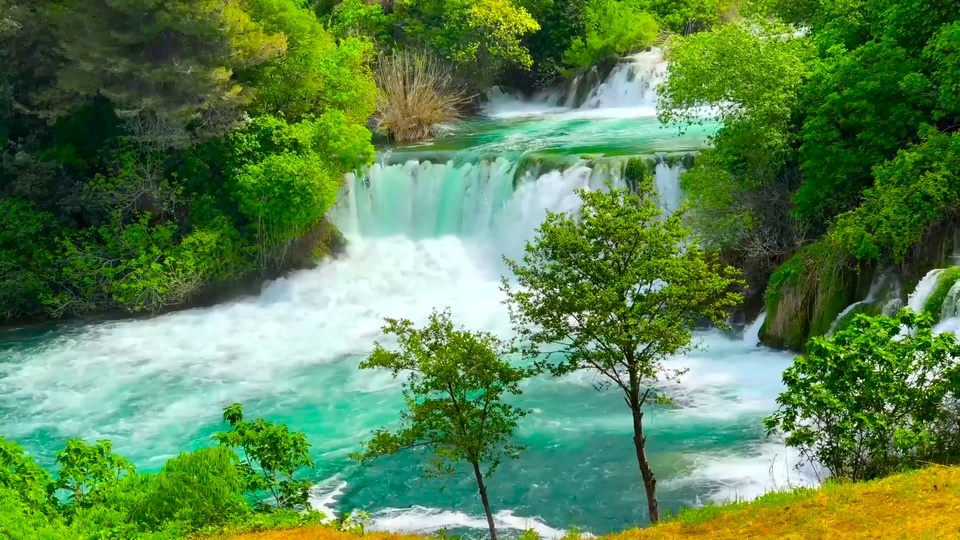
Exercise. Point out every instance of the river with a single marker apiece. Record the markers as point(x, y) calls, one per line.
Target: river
point(427, 226)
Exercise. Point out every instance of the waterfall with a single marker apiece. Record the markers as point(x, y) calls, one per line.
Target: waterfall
point(751, 334)
point(630, 87)
point(498, 198)
point(631, 84)
point(924, 289)
point(885, 288)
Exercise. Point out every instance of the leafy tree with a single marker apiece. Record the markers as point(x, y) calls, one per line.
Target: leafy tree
point(356, 18)
point(315, 74)
point(611, 28)
point(87, 470)
point(755, 101)
point(918, 188)
point(27, 252)
point(270, 457)
point(866, 402)
point(454, 398)
point(617, 290)
point(168, 64)
point(482, 37)
point(687, 16)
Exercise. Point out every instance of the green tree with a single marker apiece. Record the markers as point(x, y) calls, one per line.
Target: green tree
point(617, 290)
point(27, 252)
point(316, 74)
point(270, 457)
point(86, 470)
point(867, 402)
point(164, 65)
point(482, 37)
point(454, 398)
point(754, 101)
point(611, 29)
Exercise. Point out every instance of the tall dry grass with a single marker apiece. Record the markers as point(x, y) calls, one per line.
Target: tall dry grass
point(419, 92)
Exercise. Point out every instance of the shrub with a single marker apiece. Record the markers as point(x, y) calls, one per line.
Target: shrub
point(419, 93)
point(19, 473)
point(869, 401)
point(86, 471)
point(199, 489)
point(21, 521)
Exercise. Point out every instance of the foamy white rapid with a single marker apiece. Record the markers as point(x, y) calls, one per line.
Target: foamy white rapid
point(629, 90)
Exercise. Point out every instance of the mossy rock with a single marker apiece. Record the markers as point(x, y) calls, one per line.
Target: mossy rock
point(805, 295)
point(946, 281)
point(637, 170)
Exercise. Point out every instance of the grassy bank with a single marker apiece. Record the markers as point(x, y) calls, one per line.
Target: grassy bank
point(916, 505)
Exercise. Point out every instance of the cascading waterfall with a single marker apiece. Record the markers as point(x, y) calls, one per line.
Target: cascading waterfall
point(630, 87)
point(751, 334)
point(427, 226)
point(631, 84)
point(488, 198)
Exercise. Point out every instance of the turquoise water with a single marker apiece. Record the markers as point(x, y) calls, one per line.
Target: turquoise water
point(423, 235)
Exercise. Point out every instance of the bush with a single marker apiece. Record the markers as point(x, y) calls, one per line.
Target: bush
point(868, 401)
point(21, 521)
point(86, 471)
point(199, 490)
point(419, 93)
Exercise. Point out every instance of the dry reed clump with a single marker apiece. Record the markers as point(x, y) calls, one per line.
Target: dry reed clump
point(419, 92)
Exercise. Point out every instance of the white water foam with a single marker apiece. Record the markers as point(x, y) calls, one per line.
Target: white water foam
point(629, 91)
point(324, 495)
point(748, 474)
point(419, 519)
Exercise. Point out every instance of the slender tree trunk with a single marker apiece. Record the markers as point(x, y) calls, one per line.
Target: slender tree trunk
point(640, 442)
point(486, 501)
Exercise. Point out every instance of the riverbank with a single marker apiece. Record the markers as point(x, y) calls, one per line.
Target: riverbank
point(915, 505)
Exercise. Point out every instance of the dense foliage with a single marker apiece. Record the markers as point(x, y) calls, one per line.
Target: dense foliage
point(839, 147)
point(97, 494)
point(156, 152)
point(614, 290)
